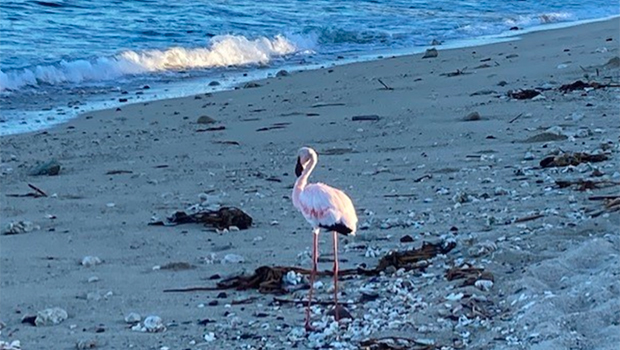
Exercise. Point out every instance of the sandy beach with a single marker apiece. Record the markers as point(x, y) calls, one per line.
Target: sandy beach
point(398, 135)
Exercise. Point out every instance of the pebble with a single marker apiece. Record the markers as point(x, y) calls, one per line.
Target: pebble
point(431, 53)
point(233, 259)
point(205, 119)
point(529, 156)
point(133, 317)
point(209, 337)
point(50, 168)
point(19, 227)
point(153, 324)
point(251, 85)
point(472, 117)
point(89, 261)
point(85, 344)
point(484, 285)
point(282, 73)
point(51, 316)
point(93, 279)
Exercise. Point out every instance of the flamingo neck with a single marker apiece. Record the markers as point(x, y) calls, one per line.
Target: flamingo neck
point(302, 180)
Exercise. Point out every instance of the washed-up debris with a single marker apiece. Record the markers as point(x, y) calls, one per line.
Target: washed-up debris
point(574, 159)
point(580, 85)
point(455, 73)
point(50, 168)
point(223, 218)
point(85, 344)
point(274, 126)
point(483, 93)
point(545, 137)
point(371, 117)
point(117, 172)
point(47, 317)
point(469, 274)
point(270, 280)
point(583, 185)
point(326, 104)
point(611, 204)
point(177, 266)
point(385, 86)
point(431, 53)
point(523, 94)
point(215, 128)
point(15, 228)
point(397, 343)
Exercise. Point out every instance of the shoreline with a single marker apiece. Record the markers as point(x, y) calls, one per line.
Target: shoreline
point(189, 88)
point(418, 163)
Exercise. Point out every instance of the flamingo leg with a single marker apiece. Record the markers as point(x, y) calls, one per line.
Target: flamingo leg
point(336, 316)
point(315, 260)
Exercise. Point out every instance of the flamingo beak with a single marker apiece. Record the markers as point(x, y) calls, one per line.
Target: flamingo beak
point(298, 168)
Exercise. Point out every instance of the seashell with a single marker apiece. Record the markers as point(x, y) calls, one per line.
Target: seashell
point(484, 285)
point(233, 259)
point(209, 337)
point(51, 316)
point(153, 324)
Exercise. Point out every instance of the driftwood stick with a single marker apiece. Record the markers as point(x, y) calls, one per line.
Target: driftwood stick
point(384, 85)
point(305, 302)
point(399, 195)
point(528, 218)
point(38, 190)
point(515, 118)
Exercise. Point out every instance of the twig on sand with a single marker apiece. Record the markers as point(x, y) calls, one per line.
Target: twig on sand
point(385, 85)
point(425, 176)
point(528, 218)
point(38, 190)
point(396, 195)
point(515, 118)
point(305, 302)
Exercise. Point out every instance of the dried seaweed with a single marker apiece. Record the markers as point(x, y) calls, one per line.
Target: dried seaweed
point(583, 185)
point(523, 94)
point(268, 280)
point(222, 218)
point(580, 85)
point(396, 343)
point(574, 159)
point(470, 274)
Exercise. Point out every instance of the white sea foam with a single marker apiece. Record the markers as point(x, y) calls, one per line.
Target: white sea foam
point(225, 50)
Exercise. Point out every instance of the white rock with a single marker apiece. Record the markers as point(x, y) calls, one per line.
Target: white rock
point(529, 156)
point(51, 316)
point(14, 345)
point(93, 279)
point(484, 285)
point(133, 317)
point(153, 324)
point(14, 228)
point(209, 337)
point(233, 259)
point(89, 261)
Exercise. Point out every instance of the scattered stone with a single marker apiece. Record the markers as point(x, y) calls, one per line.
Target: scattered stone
point(89, 261)
point(251, 85)
point(122, 100)
point(209, 337)
point(133, 318)
point(51, 168)
point(213, 303)
point(14, 345)
point(51, 316)
point(613, 62)
point(523, 94)
point(233, 259)
point(342, 312)
point(472, 117)
point(222, 295)
point(483, 92)
point(371, 117)
point(282, 73)
point(545, 137)
point(529, 156)
point(484, 285)
point(514, 55)
point(435, 42)
point(15, 228)
point(406, 239)
point(431, 53)
point(502, 83)
point(214, 83)
point(85, 344)
point(152, 324)
point(205, 119)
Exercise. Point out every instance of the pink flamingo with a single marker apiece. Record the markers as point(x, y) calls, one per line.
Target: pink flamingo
point(323, 207)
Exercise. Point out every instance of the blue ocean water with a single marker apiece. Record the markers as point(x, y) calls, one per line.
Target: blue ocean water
point(64, 56)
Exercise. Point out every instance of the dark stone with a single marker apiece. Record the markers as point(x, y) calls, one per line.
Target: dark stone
point(406, 239)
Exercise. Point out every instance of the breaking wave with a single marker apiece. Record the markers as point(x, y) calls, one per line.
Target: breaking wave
point(223, 51)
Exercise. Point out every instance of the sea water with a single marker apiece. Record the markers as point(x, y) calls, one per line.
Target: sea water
point(61, 58)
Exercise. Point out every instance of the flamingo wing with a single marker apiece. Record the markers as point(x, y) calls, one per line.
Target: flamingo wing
point(329, 208)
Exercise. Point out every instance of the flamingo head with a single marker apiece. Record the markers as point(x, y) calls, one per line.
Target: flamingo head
point(304, 156)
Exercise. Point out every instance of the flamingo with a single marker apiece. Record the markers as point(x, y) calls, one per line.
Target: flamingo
point(323, 207)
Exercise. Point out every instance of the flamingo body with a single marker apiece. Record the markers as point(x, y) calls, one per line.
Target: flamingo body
point(323, 207)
